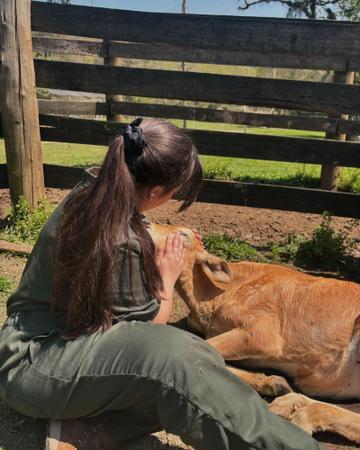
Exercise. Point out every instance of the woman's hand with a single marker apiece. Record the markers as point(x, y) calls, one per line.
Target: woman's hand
point(170, 261)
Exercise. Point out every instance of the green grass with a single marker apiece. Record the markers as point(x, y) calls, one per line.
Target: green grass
point(5, 284)
point(80, 155)
point(231, 249)
point(275, 172)
point(24, 225)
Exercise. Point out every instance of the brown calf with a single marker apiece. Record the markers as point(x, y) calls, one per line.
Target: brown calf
point(270, 316)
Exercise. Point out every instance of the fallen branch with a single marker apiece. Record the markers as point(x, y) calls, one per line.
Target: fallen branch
point(22, 249)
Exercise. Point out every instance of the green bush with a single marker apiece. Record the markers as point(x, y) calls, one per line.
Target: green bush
point(289, 249)
point(5, 284)
point(24, 225)
point(326, 249)
point(231, 249)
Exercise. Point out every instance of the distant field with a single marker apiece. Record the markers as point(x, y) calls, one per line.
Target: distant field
point(291, 174)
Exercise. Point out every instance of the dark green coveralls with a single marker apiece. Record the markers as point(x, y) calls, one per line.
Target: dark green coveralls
point(141, 377)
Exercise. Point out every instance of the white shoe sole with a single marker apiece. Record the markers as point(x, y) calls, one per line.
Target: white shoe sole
point(53, 435)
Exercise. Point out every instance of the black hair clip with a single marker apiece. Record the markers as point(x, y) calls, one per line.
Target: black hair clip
point(134, 142)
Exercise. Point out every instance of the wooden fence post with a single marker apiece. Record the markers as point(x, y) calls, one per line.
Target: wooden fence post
point(330, 173)
point(110, 61)
point(183, 64)
point(19, 108)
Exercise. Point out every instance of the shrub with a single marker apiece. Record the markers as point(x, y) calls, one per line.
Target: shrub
point(24, 224)
point(326, 249)
point(289, 249)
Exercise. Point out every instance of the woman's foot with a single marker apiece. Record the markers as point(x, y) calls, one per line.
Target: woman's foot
point(77, 434)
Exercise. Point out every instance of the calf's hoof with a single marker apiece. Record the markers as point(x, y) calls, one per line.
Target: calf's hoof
point(288, 404)
point(275, 386)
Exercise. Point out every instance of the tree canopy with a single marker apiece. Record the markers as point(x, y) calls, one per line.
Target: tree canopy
point(313, 9)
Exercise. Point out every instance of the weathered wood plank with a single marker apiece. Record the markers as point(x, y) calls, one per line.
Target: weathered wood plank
point(85, 108)
point(201, 114)
point(105, 128)
point(67, 46)
point(277, 148)
point(241, 194)
point(156, 52)
point(281, 197)
point(195, 31)
point(302, 95)
point(236, 145)
point(272, 58)
point(73, 136)
point(62, 177)
point(20, 121)
point(216, 143)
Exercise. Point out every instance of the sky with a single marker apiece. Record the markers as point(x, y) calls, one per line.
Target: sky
point(224, 7)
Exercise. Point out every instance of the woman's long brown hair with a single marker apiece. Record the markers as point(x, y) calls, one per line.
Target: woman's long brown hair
point(100, 215)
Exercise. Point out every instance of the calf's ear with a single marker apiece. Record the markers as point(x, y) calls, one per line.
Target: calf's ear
point(215, 268)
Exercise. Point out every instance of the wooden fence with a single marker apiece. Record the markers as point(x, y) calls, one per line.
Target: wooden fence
point(257, 42)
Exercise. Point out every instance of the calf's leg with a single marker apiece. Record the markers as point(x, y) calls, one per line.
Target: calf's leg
point(241, 343)
point(254, 337)
point(272, 385)
point(314, 416)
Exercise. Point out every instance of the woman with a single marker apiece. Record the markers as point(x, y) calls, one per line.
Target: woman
point(86, 334)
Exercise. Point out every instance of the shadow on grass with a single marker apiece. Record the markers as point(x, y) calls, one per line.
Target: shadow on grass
point(306, 181)
point(349, 270)
point(225, 172)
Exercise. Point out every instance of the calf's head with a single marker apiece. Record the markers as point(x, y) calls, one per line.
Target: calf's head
point(203, 274)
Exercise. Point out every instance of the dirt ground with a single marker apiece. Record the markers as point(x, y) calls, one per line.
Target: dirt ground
point(257, 226)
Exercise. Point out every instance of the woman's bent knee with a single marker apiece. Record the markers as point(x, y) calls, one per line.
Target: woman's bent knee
point(148, 349)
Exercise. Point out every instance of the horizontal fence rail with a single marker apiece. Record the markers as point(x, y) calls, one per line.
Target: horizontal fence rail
point(89, 108)
point(329, 124)
point(233, 193)
point(156, 52)
point(304, 95)
point(292, 43)
point(215, 143)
